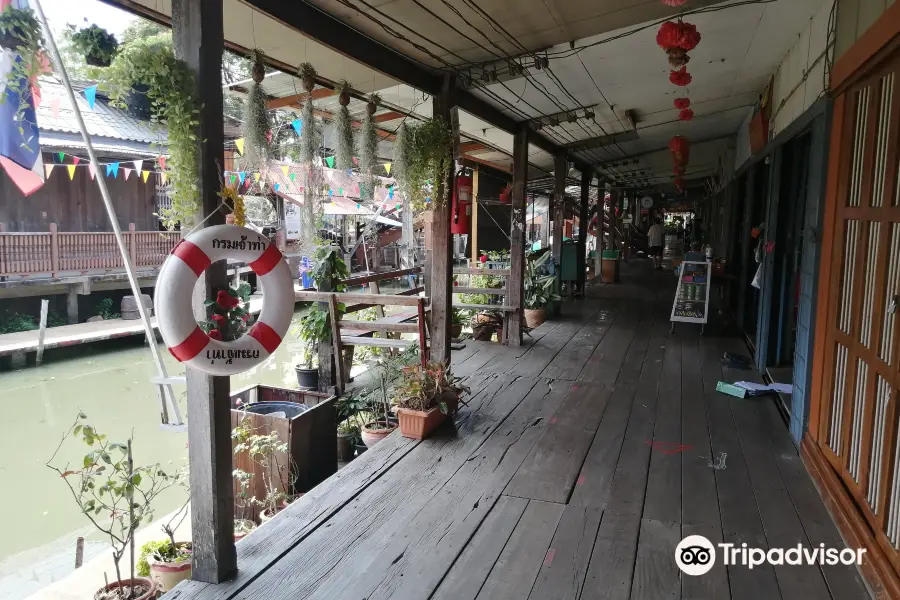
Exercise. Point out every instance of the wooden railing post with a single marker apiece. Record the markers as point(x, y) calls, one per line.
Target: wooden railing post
point(132, 245)
point(54, 250)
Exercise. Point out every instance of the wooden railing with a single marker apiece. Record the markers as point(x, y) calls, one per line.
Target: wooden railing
point(58, 252)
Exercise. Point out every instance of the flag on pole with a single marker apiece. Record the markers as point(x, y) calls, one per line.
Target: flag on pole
point(20, 148)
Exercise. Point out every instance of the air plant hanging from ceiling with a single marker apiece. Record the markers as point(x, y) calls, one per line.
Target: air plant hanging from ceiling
point(401, 160)
point(312, 212)
point(343, 152)
point(257, 124)
point(368, 150)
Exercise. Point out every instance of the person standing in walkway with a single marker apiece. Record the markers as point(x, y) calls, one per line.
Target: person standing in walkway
point(655, 236)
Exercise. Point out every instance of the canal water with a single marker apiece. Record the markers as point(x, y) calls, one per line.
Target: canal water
point(109, 382)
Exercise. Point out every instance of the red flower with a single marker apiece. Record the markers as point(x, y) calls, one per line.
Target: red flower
point(483, 258)
point(680, 77)
point(686, 115)
point(682, 103)
point(678, 35)
point(226, 300)
point(218, 319)
point(215, 334)
point(455, 284)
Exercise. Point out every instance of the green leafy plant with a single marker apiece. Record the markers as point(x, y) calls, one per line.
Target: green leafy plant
point(150, 64)
point(423, 387)
point(329, 268)
point(167, 550)
point(14, 322)
point(114, 494)
point(538, 288)
point(228, 317)
point(313, 329)
point(257, 126)
point(266, 450)
point(352, 409)
point(105, 309)
point(21, 33)
point(426, 156)
point(98, 45)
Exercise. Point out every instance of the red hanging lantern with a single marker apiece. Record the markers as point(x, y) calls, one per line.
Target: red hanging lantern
point(680, 148)
point(680, 77)
point(678, 170)
point(686, 115)
point(682, 103)
point(678, 35)
point(677, 57)
point(679, 184)
point(673, 2)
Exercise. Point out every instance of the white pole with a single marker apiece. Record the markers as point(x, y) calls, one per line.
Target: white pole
point(113, 219)
point(45, 307)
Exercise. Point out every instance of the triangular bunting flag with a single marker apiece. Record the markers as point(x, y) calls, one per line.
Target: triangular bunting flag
point(146, 175)
point(240, 145)
point(92, 170)
point(54, 107)
point(48, 168)
point(75, 160)
point(163, 177)
point(127, 172)
point(285, 170)
point(293, 176)
point(329, 160)
point(233, 179)
point(277, 186)
point(355, 161)
point(108, 169)
point(139, 167)
point(162, 162)
point(71, 169)
point(297, 125)
point(242, 175)
point(387, 168)
point(61, 156)
point(91, 94)
point(36, 96)
point(256, 177)
point(340, 191)
point(114, 168)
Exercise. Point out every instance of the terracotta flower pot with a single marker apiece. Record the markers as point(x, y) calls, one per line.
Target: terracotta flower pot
point(170, 574)
point(372, 436)
point(416, 424)
point(107, 591)
point(535, 316)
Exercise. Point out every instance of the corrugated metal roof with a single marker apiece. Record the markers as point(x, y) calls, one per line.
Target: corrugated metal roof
point(52, 141)
point(102, 121)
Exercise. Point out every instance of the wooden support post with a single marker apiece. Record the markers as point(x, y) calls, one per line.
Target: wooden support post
point(515, 284)
point(474, 235)
point(442, 239)
point(132, 245)
point(79, 552)
point(336, 342)
point(560, 168)
point(72, 305)
point(42, 332)
point(198, 38)
point(408, 250)
point(583, 220)
point(54, 249)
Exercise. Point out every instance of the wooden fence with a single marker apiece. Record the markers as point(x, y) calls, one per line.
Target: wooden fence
point(55, 252)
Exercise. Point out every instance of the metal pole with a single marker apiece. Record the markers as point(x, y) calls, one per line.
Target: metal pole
point(113, 219)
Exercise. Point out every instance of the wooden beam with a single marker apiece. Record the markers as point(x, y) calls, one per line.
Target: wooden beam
point(441, 238)
point(467, 147)
point(515, 284)
point(487, 163)
point(583, 219)
point(298, 99)
point(198, 39)
point(388, 116)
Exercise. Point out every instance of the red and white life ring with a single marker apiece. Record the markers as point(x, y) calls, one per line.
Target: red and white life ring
point(175, 285)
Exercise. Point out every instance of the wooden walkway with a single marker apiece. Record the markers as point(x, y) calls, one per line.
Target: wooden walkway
point(580, 463)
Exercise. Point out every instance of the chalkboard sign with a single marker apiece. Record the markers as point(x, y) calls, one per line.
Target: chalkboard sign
point(691, 303)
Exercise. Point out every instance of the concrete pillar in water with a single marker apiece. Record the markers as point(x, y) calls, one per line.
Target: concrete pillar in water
point(18, 359)
point(72, 306)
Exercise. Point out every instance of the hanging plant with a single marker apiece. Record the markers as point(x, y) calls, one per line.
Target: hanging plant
point(314, 188)
point(98, 45)
point(21, 33)
point(151, 63)
point(429, 159)
point(680, 77)
point(307, 74)
point(343, 152)
point(682, 103)
point(368, 150)
point(257, 128)
point(400, 166)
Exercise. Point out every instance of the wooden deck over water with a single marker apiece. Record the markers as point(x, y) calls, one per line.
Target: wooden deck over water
point(580, 463)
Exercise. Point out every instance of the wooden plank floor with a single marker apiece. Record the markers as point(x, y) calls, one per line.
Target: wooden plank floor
point(581, 461)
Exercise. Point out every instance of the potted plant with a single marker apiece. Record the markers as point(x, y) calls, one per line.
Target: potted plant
point(425, 395)
point(243, 503)
point(98, 45)
point(313, 329)
point(278, 473)
point(538, 291)
point(106, 482)
point(21, 33)
point(380, 425)
point(166, 561)
point(460, 318)
point(349, 409)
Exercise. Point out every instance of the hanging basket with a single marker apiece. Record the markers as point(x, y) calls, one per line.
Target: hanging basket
point(680, 77)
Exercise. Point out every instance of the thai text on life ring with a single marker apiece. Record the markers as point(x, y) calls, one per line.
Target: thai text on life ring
point(174, 289)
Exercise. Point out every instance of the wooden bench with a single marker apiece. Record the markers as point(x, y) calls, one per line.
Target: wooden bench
point(505, 308)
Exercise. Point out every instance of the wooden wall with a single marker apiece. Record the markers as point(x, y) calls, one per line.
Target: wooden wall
point(77, 205)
